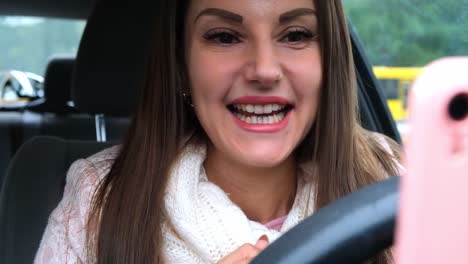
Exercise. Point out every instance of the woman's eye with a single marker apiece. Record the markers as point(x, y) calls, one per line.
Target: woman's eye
point(298, 35)
point(223, 38)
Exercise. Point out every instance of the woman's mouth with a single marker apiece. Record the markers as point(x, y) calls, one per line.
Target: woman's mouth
point(260, 114)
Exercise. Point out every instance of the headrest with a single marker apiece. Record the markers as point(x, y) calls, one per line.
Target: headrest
point(57, 81)
point(57, 85)
point(109, 68)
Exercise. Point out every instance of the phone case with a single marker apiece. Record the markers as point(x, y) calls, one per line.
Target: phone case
point(432, 223)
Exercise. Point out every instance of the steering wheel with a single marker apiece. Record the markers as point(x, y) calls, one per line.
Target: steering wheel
point(350, 230)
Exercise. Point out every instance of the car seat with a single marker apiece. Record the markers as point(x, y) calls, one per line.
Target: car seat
point(108, 71)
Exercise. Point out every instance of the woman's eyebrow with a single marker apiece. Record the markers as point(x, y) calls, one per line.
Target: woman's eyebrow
point(290, 15)
point(224, 14)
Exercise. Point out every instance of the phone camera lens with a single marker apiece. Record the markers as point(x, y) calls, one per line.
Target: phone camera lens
point(458, 107)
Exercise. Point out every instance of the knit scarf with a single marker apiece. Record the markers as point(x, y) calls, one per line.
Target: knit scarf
point(204, 225)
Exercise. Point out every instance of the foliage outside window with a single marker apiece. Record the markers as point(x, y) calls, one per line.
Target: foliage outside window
point(410, 32)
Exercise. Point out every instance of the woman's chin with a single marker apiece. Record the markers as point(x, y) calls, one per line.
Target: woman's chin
point(268, 159)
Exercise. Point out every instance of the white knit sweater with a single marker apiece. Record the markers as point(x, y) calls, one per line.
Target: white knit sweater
point(205, 225)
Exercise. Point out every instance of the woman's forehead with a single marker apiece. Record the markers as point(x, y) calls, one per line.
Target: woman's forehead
point(250, 9)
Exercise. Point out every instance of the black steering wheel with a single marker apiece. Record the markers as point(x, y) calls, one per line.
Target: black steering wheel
point(350, 230)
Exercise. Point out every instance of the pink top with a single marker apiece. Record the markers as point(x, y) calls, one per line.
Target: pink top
point(277, 223)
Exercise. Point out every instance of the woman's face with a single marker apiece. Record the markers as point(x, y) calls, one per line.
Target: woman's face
point(255, 72)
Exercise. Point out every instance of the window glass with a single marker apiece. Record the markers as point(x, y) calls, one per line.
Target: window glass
point(390, 88)
point(26, 44)
point(406, 33)
point(401, 36)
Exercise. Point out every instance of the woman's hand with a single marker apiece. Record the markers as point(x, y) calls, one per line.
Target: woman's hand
point(245, 253)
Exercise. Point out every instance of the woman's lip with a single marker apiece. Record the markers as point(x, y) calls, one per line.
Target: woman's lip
point(261, 100)
point(262, 128)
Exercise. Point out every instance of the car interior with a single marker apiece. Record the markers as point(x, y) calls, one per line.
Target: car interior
point(52, 115)
point(87, 106)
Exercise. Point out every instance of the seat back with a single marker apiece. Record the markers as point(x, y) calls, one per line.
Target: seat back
point(105, 81)
point(10, 138)
point(33, 187)
point(52, 115)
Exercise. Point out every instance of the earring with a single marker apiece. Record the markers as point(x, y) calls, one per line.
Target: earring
point(187, 98)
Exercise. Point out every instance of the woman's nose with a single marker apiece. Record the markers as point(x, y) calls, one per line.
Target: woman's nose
point(264, 68)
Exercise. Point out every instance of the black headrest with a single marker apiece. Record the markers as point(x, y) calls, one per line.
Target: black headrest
point(109, 67)
point(57, 85)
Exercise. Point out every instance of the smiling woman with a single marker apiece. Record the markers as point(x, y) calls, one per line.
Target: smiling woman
point(247, 124)
point(271, 60)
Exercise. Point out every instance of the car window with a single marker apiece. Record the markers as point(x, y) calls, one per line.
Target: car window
point(401, 36)
point(26, 45)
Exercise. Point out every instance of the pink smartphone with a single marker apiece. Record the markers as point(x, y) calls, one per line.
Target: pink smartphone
point(432, 223)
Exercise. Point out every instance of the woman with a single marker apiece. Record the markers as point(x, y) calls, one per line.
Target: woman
point(247, 124)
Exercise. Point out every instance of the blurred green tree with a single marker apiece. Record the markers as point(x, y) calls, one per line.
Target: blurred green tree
point(410, 32)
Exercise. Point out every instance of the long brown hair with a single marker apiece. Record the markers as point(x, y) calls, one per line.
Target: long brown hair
point(128, 209)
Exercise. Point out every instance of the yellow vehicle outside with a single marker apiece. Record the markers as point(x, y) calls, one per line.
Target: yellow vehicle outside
point(396, 82)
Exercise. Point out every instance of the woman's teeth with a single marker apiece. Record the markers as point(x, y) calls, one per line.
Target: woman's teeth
point(260, 114)
point(269, 119)
point(259, 109)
